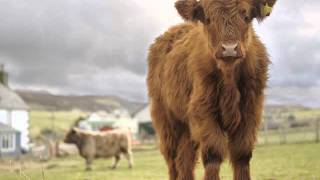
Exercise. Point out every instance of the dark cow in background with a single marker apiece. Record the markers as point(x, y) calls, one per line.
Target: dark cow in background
point(206, 84)
point(93, 145)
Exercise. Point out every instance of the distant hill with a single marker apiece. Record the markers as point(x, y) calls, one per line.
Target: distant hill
point(42, 100)
point(285, 107)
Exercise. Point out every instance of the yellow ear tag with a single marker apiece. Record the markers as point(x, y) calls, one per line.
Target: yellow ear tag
point(266, 10)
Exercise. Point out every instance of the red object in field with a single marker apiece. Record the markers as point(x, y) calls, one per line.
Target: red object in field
point(106, 129)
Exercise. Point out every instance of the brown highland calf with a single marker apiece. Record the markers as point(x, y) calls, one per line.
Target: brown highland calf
point(206, 85)
point(93, 145)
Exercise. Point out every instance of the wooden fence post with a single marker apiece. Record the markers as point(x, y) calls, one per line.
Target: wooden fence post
point(317, 130)
point(283, 135)
point(265, 129)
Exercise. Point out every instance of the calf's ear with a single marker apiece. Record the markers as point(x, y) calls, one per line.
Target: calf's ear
point(190, 10)
point(75, 130)
point(263, 8)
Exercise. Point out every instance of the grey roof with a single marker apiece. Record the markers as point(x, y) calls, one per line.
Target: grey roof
point(141, 108)
point(6, 128)
point(10, 100)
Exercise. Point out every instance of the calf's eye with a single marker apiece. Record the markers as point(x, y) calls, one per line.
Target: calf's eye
point(245, 16)
point(207, 21)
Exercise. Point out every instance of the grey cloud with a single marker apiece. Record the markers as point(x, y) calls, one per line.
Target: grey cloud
point(295, 55)
point(46, 43)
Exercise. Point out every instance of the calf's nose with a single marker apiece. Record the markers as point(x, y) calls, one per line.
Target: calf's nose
point(229, 51)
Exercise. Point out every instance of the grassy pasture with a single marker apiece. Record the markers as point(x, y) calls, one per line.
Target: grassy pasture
point(59, 121)
point(278, 162)
point(272, 162)
point(305, 114)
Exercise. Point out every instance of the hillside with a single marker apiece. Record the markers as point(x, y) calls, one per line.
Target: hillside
point(42, 100)
point(45, 101)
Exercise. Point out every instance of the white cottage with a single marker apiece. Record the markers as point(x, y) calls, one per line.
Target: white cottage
point(98, 121)
point(143, 117)
point(13, 110)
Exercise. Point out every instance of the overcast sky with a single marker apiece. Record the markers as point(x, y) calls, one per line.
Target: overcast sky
point(100, 46)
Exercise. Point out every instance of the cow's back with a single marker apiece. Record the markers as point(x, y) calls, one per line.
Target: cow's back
point(112, 142)
point(168, 61)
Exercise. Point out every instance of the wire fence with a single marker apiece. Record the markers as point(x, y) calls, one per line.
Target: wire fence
point(286, 133)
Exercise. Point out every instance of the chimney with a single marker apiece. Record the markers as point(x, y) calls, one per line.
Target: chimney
point(3, 75)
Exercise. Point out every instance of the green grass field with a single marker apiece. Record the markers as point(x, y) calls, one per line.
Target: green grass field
point(305, 114)
point(281, 162)
point(272, 162)
point(59, 121)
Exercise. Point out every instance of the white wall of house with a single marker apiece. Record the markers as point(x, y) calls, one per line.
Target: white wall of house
point(19, 120)
point(144, 115)
point(3, 116)
point(127, 123)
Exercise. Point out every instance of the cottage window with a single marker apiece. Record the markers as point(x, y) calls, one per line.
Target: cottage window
point(7, 142)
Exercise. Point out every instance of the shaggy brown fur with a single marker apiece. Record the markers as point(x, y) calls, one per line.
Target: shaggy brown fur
point(199, 101)
point(93, 145)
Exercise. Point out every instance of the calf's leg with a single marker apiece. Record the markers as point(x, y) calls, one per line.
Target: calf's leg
point(240, 148)
point(213, 148)
point(186, 157)
point(89, 164)
point(241, 144)
point(116, 161)
point(168, 148)
point(128, 156)
point(168, 132)
point(213, 141)
point(205, 124)
point(213, 145)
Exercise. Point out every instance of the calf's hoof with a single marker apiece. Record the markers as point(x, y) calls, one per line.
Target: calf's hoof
point(88, 169)
point(112, 167)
